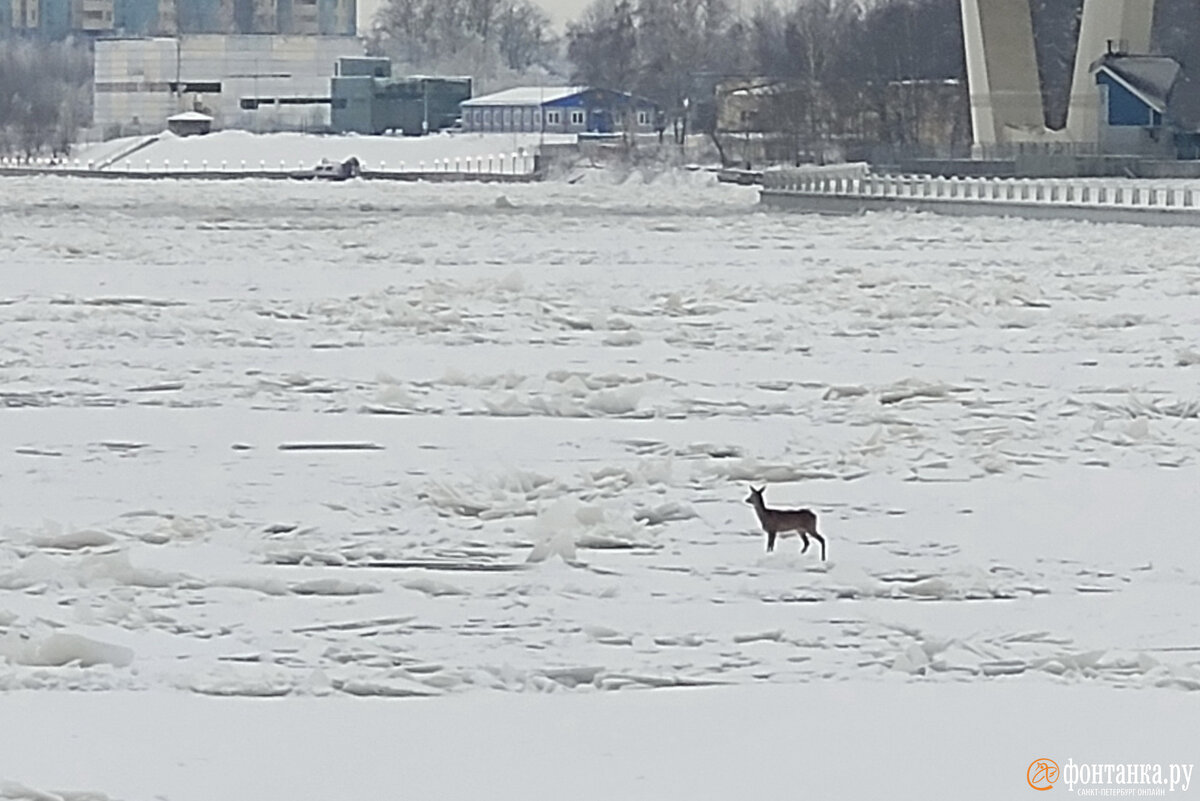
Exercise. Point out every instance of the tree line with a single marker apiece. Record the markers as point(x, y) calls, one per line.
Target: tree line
point(867, 69)
point(836, 63)
point(656, 47)
point(496, 41)
point(45, 95)
point(826, 64)
point(835, 56)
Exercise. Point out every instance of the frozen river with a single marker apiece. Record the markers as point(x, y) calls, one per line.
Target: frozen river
point(312, 441)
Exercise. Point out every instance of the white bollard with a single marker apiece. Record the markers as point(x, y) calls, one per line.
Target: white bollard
point(456, 165)
point(282, 166)
point(185, 165)
point(128, 166)
point(243, 165)
point(147, 165)
point(166, 165)
point(204, 165)
point(262, 165)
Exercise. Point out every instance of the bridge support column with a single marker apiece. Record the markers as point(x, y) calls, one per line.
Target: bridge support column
point(1002, 73)
point(1001, 70)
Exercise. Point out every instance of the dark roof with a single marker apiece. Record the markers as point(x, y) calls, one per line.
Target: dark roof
point(1184, 108)
point(1161, 82)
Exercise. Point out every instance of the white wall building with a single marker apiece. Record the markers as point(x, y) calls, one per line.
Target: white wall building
point(256, 82)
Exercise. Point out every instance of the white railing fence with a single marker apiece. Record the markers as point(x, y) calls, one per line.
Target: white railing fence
point(521, 162)
point(1091, 192)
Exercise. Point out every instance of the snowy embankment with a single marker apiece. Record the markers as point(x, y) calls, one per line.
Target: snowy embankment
point(234, 150)
point(343, 445)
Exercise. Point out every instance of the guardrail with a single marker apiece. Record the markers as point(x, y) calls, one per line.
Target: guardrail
point(496, 166)
point(1041, 198)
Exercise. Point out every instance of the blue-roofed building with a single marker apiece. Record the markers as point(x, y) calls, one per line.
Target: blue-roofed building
point(1148, 107)
point(560, 109)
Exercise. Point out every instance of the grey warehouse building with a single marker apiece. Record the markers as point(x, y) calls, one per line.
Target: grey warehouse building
point(366, 99)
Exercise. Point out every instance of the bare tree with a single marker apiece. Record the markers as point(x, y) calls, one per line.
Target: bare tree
point(603, 46)
point(489, 39)
point(45, 95)
point(523, 36)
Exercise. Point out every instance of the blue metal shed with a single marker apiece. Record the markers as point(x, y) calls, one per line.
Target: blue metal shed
point(560, 109)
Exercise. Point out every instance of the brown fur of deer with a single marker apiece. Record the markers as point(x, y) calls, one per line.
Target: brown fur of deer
point(776, 521)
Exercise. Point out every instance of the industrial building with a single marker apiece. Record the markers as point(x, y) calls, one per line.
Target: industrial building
point(367, 99)
point(252, 82)
point(560, 109)
point(55, 19)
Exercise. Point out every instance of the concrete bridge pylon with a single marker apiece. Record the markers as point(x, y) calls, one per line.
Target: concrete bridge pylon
point(1002, 74)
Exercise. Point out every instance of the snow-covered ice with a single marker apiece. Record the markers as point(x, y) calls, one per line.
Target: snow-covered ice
point(400, 457)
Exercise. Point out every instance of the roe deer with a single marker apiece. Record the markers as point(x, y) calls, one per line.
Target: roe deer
point(774, 521)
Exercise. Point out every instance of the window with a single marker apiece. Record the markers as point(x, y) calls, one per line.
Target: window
point(200, 87)
point(643, 117)
point(577, 118)
point(508, 117)
point(487, 118)
point(554, 118)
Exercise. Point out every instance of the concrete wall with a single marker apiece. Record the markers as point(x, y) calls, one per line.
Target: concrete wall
point(141, 82)
point(850, 205)
point(132, 82)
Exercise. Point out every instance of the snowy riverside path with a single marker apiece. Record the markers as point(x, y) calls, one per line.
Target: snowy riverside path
point(321, 490)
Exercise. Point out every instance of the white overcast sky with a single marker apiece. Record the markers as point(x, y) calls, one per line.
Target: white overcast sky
point(561, 11)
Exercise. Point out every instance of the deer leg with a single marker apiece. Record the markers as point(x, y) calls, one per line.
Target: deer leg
point(770, 541)
point(821, 540)
point(804, 537)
